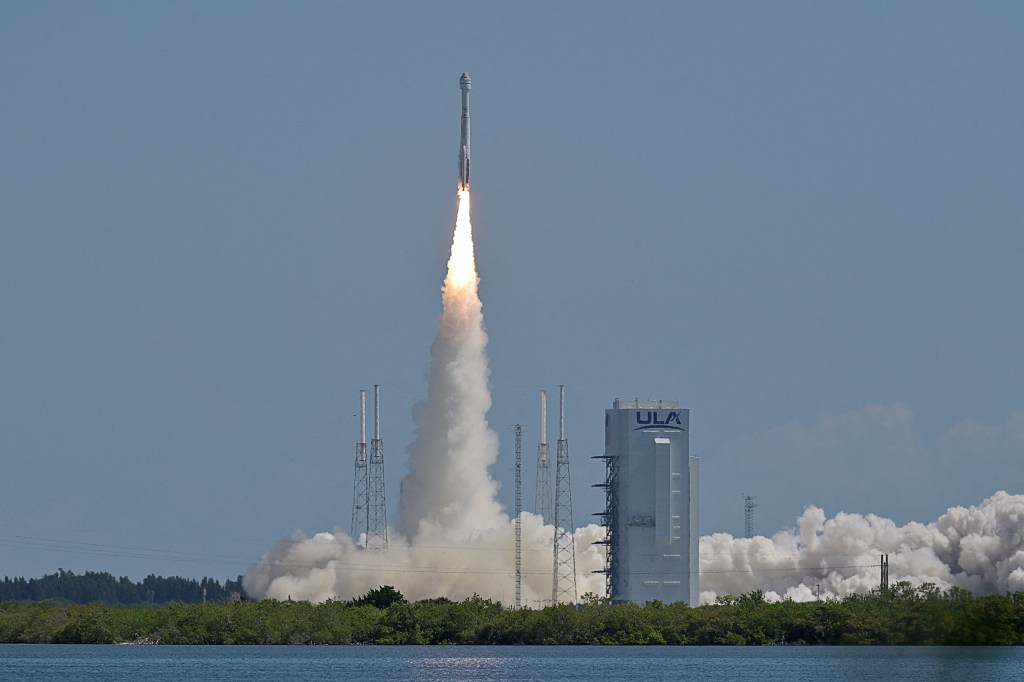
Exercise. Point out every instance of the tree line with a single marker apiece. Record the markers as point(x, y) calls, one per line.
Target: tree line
point(66, 586)
point(901, 614)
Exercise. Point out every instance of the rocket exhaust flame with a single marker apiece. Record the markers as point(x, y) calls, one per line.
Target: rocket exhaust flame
point(462, 262)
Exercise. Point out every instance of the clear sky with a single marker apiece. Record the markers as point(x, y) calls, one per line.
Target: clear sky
point(219, 221)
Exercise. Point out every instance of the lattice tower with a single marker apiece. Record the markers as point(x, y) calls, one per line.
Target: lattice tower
point(564, 582)
point(748, 516)
point(377, 529)
point(360, 488)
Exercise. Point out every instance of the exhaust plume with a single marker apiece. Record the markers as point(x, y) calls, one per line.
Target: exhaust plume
point(448, 487)
point(453, 538)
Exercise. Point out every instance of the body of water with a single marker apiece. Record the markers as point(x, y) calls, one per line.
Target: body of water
point(632, 664)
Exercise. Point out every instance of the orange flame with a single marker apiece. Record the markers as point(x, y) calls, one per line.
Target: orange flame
point(462, 263)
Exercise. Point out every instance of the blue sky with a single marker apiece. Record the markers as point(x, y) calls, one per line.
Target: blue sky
point(219, 221)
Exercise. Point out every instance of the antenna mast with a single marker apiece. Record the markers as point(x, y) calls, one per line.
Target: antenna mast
point(542, 506)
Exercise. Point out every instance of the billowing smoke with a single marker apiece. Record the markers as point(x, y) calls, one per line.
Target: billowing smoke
point(978, 548)
point(448, 492)
point(330, 565)
point(453, 539)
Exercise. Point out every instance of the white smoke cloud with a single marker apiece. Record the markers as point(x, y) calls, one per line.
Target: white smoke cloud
point(980, 548)
point(453, 538)
point(448, 484)
point(440, 563)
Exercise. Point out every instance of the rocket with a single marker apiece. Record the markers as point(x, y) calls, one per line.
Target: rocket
point(464, 84)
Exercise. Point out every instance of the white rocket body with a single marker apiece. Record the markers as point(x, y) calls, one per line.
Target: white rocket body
point(464, 84)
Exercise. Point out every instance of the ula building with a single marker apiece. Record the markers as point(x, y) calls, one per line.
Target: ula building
point(651, 512)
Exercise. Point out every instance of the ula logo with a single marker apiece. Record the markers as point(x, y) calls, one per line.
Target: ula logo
point(652, 420)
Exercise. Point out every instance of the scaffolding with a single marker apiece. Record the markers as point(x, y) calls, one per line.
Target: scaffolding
point(610, 520)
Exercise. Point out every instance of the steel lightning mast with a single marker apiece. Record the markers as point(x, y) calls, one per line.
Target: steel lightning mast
point(377, 531)
point(564, 583)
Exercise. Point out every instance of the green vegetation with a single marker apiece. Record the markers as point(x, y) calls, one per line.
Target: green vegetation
point(901, 615)
point(65, 586)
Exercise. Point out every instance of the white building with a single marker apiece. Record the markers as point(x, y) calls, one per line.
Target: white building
point(652, 511)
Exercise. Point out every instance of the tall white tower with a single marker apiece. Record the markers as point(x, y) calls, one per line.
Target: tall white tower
point(360, 489)
point(543, 507)
point(652, 513)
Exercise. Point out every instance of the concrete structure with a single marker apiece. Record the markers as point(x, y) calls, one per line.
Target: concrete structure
point(652, 513)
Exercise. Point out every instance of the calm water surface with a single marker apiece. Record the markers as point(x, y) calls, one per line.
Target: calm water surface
point(632, 664)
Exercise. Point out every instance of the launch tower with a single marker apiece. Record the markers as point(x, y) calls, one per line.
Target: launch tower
point(651, 512)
